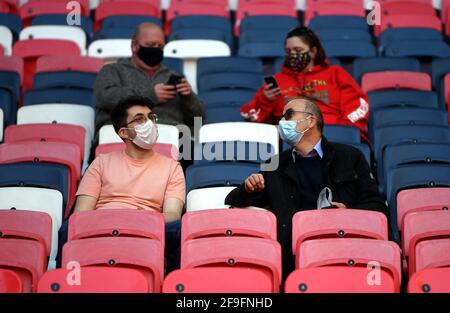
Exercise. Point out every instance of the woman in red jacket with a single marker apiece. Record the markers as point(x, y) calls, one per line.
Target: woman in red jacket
point(306, 71)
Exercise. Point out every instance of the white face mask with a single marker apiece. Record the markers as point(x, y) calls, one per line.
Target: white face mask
point(146, 135)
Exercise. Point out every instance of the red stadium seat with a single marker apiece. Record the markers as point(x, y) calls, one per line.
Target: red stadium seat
point(30, 50)
point(337, 279)
point(26, 258)
point(31, 225)
point(352, 252)
point(407, 7)
point(94, 279)
point(342, 223)
point(10, 282)
point(69, 63)
point(47, 132)
point(433, 280)
point(421, 199)
point(396, 80)
point(447, 94)
point(165, 149)
point(423, 226)
point(67, 154)
point(33, 8)
point(107, 9)
point(432, 254)
point(11, 64)
point(116, 222)
point(9, 7)
point(138, 253)
point(333, 8)
point(2, 51)
point(228, 222)
point(218, 280)
point(244, 252)
point(408, 21)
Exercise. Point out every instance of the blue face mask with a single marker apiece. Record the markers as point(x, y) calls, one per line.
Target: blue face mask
point(288, 131)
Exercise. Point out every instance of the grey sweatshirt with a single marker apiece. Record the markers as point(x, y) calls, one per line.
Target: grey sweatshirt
point(117, 81)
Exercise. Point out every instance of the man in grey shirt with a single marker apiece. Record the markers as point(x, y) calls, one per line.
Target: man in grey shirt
point(144, 75)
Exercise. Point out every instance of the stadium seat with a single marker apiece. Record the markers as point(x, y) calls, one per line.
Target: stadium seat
point(423, 226)
point(67, 80)
point(342, 133)
point(75, 96)
point(433, 280)
point(129, 22)
point(352, 252)
point(13, 22)
point(392, 35)
point(432, 254)
point(344, 34)
point(222, 115)
point(42, 175)
point(408, 21)
point(396, 80)
point(174, 64)
point(228, 223)
point(27, 225)
point(31, 9)
point(226, 98)
point(6, 40)
point(349, 49)
point(420, 49)
point(321, 8)
point(390, 8)
point(345, 223)
point(11, 72)
point(118, 223)
point(69, 63)
point(268, 22)
point(61, 19)
point(207, 66)
point(1, 125)
point(402, 98)
point(224, 81)
point(125, 8)
point(237, 252)
point(344, 21)
point(145, 255)
point(447, 95)
point(26, 258)
point(337, 279)
point(10, 282)
point(110, 48)
point(95, 279)
point(56, 32)
point(439, 69)
point(382, 64)
point(31, 49)
point(262, 50)
point(421, 199)
point(207, 198)
point(218, 280)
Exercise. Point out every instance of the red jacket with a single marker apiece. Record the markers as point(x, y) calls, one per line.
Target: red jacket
point(340, 98)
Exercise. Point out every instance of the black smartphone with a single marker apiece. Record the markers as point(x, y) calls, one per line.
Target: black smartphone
point(271, 80)
point(174, 79)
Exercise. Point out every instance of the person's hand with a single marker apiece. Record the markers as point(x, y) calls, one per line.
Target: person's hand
point(184, 88)
point(165, 92)
point(338, 205)
point(254, 183)
point(271, 94)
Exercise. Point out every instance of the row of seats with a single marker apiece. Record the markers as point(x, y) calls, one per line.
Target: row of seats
point(227, 241)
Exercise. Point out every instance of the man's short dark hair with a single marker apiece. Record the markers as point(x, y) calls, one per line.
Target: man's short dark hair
point(119, 114)
point(311, 107)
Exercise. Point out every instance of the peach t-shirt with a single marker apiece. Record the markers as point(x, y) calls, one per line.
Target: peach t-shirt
point(119, 181)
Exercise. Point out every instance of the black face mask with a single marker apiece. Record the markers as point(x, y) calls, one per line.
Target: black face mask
point(150, 56)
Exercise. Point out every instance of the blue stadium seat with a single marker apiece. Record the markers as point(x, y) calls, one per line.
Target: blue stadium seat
point(337, 22)
point(406, 116)
point(342, 133)
point(262, 36)
point(392, 35)
point(268, 22)
point(344, 34)
point(9, 95)
point(175, 64)
point(42, 175)
point(402, 98)
point(126, 21)
point(225, 81)
point(413, 176)
point(407, 154)
point(61, 19)
point(223, 114)
point(66, 79)
point(228, 64)
point(262, 50)
point(439, 68)
point(202, 33)
point(226, 98)
point(114, 33)
point(415, 48)
point(59, 95)
point(280, 61)
point(218, 174)
point(368, 65)
point(13, 22)
point(349, 49)
point(234, 151)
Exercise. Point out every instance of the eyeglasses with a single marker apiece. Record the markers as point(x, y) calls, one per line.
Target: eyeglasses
point(290, 112)
point(141, 119)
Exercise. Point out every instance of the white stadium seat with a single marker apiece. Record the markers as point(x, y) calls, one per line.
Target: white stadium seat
point(6, 39)
point(207, 198)
point(110, 48)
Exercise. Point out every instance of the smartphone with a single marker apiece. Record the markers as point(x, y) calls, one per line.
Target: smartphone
point(271, 80)
point(174, 79)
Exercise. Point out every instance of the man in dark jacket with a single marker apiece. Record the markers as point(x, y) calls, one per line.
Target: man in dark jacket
point(145, 76)
point(304, 171)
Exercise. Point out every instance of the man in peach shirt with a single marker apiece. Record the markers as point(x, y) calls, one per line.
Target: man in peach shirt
point(137, 177)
